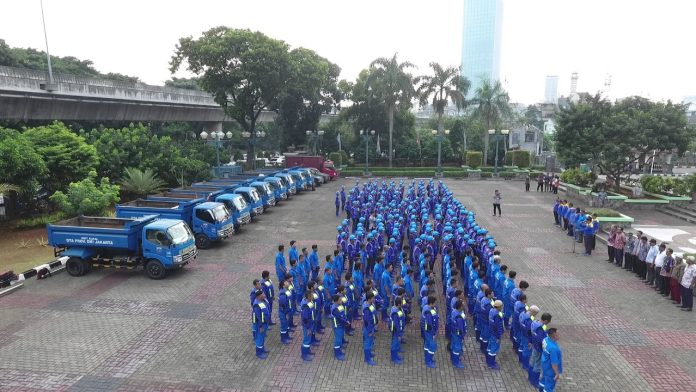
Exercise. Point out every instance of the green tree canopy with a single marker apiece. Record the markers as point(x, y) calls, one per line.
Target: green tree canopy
point(67, 156)
point(310, 91)
point(616, 137)
point(21, 164)
point(245, 71)
point(141, 182)
point(443, 86)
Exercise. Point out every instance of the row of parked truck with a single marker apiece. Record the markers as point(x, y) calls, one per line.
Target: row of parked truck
point(163, 232)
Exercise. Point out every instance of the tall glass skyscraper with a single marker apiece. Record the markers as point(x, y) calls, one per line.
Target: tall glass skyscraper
point(483, 20)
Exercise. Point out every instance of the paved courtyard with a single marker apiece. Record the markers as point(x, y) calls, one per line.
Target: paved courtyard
point(119, 331)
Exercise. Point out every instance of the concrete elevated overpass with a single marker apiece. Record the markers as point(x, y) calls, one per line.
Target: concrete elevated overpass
point(26, 95)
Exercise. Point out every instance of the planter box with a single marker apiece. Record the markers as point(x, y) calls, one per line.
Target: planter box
point(624, 221)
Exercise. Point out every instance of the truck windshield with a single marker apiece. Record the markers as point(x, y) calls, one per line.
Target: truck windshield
point(180, 233)
point(240, 203)
point(269, 190)
point(220, 213)
point(329, 166)
point(255, 195)
point(289, 180)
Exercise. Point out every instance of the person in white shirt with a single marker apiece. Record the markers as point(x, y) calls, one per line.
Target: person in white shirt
point(650, 261)
point(657, 266)
point(688, 281)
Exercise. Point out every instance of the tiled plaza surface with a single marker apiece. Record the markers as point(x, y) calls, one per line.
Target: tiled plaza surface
point(120, 331)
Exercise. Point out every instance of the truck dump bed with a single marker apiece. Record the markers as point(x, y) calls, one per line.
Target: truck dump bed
point(97, 232)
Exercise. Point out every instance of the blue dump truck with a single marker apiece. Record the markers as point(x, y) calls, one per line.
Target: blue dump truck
point(278, 185)
point(288, 180)
point(263, 188)
point(209, 221)
point(235, 203)
point(306, 175)
point(250, 194)
point(153, 244)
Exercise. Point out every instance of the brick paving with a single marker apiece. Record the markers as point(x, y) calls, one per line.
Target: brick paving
point(120, 331)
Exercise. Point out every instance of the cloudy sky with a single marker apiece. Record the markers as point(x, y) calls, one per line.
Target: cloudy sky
point(642, 44)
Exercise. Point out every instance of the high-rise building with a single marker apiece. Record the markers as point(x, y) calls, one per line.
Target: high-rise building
point(483, 20)
point(574, 83)
point(551, 90)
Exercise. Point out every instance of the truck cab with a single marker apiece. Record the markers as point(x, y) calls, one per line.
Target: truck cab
point(238, 207)
point(210, 221)
point(288, 181)
point(242, 188)
point(267, 194)
point(303, 178)
point(279, 189)
point(151, 243)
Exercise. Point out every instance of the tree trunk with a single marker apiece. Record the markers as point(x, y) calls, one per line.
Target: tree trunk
point(485, 142)
point(391, 131)
point(440, 135)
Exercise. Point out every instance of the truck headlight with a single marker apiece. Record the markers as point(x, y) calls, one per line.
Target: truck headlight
point(178, 258)
point(221, 233)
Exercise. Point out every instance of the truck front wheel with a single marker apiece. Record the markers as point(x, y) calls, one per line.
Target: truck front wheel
point(155, 269)
point(202, 241)
point(75, 266)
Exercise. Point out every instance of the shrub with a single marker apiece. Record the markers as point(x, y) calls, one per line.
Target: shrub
point(605, 212)
point(452, 174)
point(87, 198)
point(538, 167)
point(507, 174)
point(474, 158)
point(667, 185)
point(336, 158)
point(486, 174)
point(521, 158)
point(577, 177)
point(652, 184)
point(508, 157)
point(344, 157)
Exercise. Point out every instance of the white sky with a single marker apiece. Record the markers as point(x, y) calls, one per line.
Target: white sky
point(643, 44)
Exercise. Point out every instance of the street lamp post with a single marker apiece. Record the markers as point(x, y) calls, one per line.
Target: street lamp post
point(439, 136)
point(503, 133)
point(217, 137)
point(365, 134)
point(253, 139)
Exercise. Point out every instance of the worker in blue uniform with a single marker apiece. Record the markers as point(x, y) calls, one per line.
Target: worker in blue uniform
point(458, 318)
point(369, 314)
point(525, 322)
point(351, 301)
point(308, 314)
point(260, 318)
point(385, 289)
point(486, 306)
point(537, 334)
point(292, 253)
point(269, 292)
point(508, 305)
point(431, 324)
point(313, 259)
point(359, 283)
point(330, 286)
point(339, 322)
point(396, 325)
point(281, 269)
point(338, 203)
point(284, 309)
point(343, 198)
point(496, 328)
point(312, 286)
point(519, 307)
point(551, 361)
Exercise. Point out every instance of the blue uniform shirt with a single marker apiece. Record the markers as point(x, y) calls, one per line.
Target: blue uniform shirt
point(369, 316)
point(281, 269)
point(551, 355)
point(262, 315)
point(292, 253)
point(308, 313)
point(495, 322)
point(397, 321)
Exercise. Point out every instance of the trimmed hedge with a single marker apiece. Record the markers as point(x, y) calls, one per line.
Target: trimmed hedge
point(521, 158)
point(486, 174)
point(606, 212)
point(507, 174)
point(474, 158)
point(336, 158)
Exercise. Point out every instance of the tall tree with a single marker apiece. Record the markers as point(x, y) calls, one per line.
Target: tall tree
point(614, 138)
point(20, 164)
point(492, 105)
point(444, 85)
point(394, 86)
point(245, 71)
point(310, 91)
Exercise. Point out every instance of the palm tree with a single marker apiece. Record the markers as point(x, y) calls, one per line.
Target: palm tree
point(389, 80)
point(492, 106)
point(446, 84)
point(141, 182)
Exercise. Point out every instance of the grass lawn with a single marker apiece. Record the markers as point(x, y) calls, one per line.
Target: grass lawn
point(21, 249)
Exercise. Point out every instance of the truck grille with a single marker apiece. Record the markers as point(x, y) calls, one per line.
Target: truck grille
point(258, 210)
point(244, 219)
point(272, 201)
point(189, 254)
point(284, 196)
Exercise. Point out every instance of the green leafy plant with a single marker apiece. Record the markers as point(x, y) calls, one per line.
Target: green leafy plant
point(521, 158)
point(474, 159)
point(336, 158)
point(141, 182)
point(576, 177)
point(86, 197)
point(603, 212)
point(38, 221)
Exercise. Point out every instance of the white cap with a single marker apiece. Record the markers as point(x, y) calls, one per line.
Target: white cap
point(534, 309)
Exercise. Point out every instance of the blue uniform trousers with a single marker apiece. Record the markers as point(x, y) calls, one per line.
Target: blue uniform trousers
point(338, 337)
point(368, 341)
point(493, 345)
point(260, 336)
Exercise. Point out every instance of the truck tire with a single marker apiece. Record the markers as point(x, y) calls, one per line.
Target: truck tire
point(202, 241)
point(155, 270)
point(75, 266)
